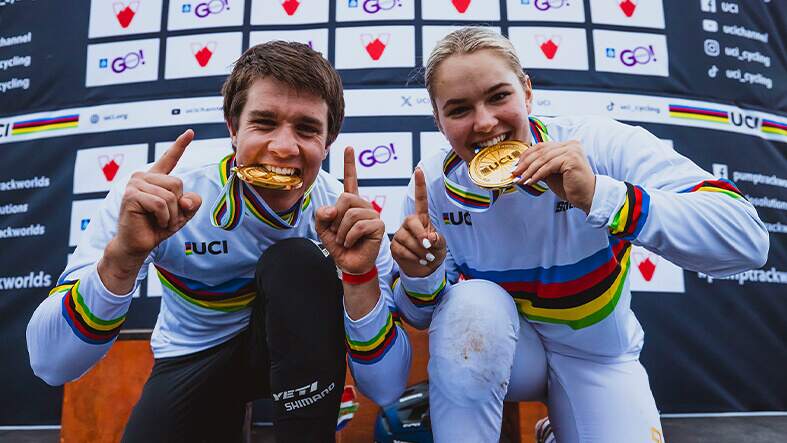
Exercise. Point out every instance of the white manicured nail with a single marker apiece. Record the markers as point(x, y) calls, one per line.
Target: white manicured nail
point(422, 262)
point(527, 182)
point(427, 244)
point(429, 256)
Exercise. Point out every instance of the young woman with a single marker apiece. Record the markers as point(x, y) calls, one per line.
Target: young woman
point(525, 289)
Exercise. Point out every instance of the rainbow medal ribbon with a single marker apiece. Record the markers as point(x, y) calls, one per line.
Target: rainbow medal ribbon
point(237, 197)
point(477, 199)
point(227, 211)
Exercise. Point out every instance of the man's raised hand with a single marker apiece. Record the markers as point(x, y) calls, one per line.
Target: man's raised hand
point(154, 206)
point(416, 246)
point(351, 229)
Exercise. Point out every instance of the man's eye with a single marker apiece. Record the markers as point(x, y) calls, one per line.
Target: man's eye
point(310, 130)
point(456, 112)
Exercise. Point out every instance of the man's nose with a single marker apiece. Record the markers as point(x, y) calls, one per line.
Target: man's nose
point(484, 121)
point(283, 143)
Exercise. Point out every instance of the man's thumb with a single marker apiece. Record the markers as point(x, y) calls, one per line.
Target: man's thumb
point(190, 202)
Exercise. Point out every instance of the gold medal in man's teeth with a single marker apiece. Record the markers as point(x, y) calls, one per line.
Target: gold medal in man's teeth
point(260, 176)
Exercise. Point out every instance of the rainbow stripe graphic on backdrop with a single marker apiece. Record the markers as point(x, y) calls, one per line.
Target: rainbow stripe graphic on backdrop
point(696, 113)
point(774, 127)
point(45, 124)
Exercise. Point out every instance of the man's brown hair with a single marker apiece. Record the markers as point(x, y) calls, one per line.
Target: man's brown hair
point(295, 64)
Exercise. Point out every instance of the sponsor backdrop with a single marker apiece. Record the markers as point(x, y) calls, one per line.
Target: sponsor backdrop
point(93, 90)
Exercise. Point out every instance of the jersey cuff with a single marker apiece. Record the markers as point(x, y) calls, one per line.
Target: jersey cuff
point(94, 314)
point(424, 291)
point(608, 198)
point(373, 335)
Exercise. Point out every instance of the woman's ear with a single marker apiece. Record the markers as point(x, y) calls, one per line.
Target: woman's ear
point(528, 95)
point(437, 122)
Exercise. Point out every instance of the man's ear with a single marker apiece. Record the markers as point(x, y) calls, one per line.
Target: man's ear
point(233, 133)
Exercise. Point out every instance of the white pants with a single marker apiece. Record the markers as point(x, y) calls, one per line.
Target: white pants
point(482, 352)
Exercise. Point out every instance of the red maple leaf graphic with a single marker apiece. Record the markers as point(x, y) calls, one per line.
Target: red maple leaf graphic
point(647, 268)
point(375, 49)
point(549, 48)
point(203, 56)
point(461, 5)
point(628, 7)
point(290, 6)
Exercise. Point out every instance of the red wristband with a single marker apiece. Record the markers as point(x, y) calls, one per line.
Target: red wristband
point(357, 279)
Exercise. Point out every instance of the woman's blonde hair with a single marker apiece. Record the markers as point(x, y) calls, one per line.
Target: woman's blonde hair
point(466, 41)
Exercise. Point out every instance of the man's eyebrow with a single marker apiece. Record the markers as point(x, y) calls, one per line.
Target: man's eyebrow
point(310, 121)
point(303, 119)
point(259, 115)
point(456, 101)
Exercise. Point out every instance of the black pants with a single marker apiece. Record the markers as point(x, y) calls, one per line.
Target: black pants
point(293, 352)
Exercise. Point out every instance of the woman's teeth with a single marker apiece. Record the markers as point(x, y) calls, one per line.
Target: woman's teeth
point(493, 141)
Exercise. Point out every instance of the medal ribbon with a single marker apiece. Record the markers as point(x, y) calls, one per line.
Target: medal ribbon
point(228, 210)
point(477, 199)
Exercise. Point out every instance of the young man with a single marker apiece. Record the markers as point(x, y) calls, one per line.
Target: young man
point(263, 316)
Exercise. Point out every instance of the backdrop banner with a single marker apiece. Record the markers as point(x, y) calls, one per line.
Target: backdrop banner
point(91, 91)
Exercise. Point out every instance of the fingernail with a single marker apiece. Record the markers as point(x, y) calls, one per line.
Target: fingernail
point(427, 244)
point(430, 256)
point(517, 178)
point(516, 162)
point(422, 262)
point(527, 182)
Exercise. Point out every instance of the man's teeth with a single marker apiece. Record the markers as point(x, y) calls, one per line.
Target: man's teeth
point(281, 170)
point(493, 141)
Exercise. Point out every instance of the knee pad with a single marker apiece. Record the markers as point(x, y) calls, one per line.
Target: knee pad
point(300, 297)
point(295, 259)
point(472, 340)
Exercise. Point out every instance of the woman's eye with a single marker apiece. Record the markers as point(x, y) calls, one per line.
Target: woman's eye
point(500, 96)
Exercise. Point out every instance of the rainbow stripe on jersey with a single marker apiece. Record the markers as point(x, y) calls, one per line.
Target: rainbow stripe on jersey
point(230, 296)
point(578, 295)
point(87, 326)
point(631, 217)
point(371, 351)
point(723, 186)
